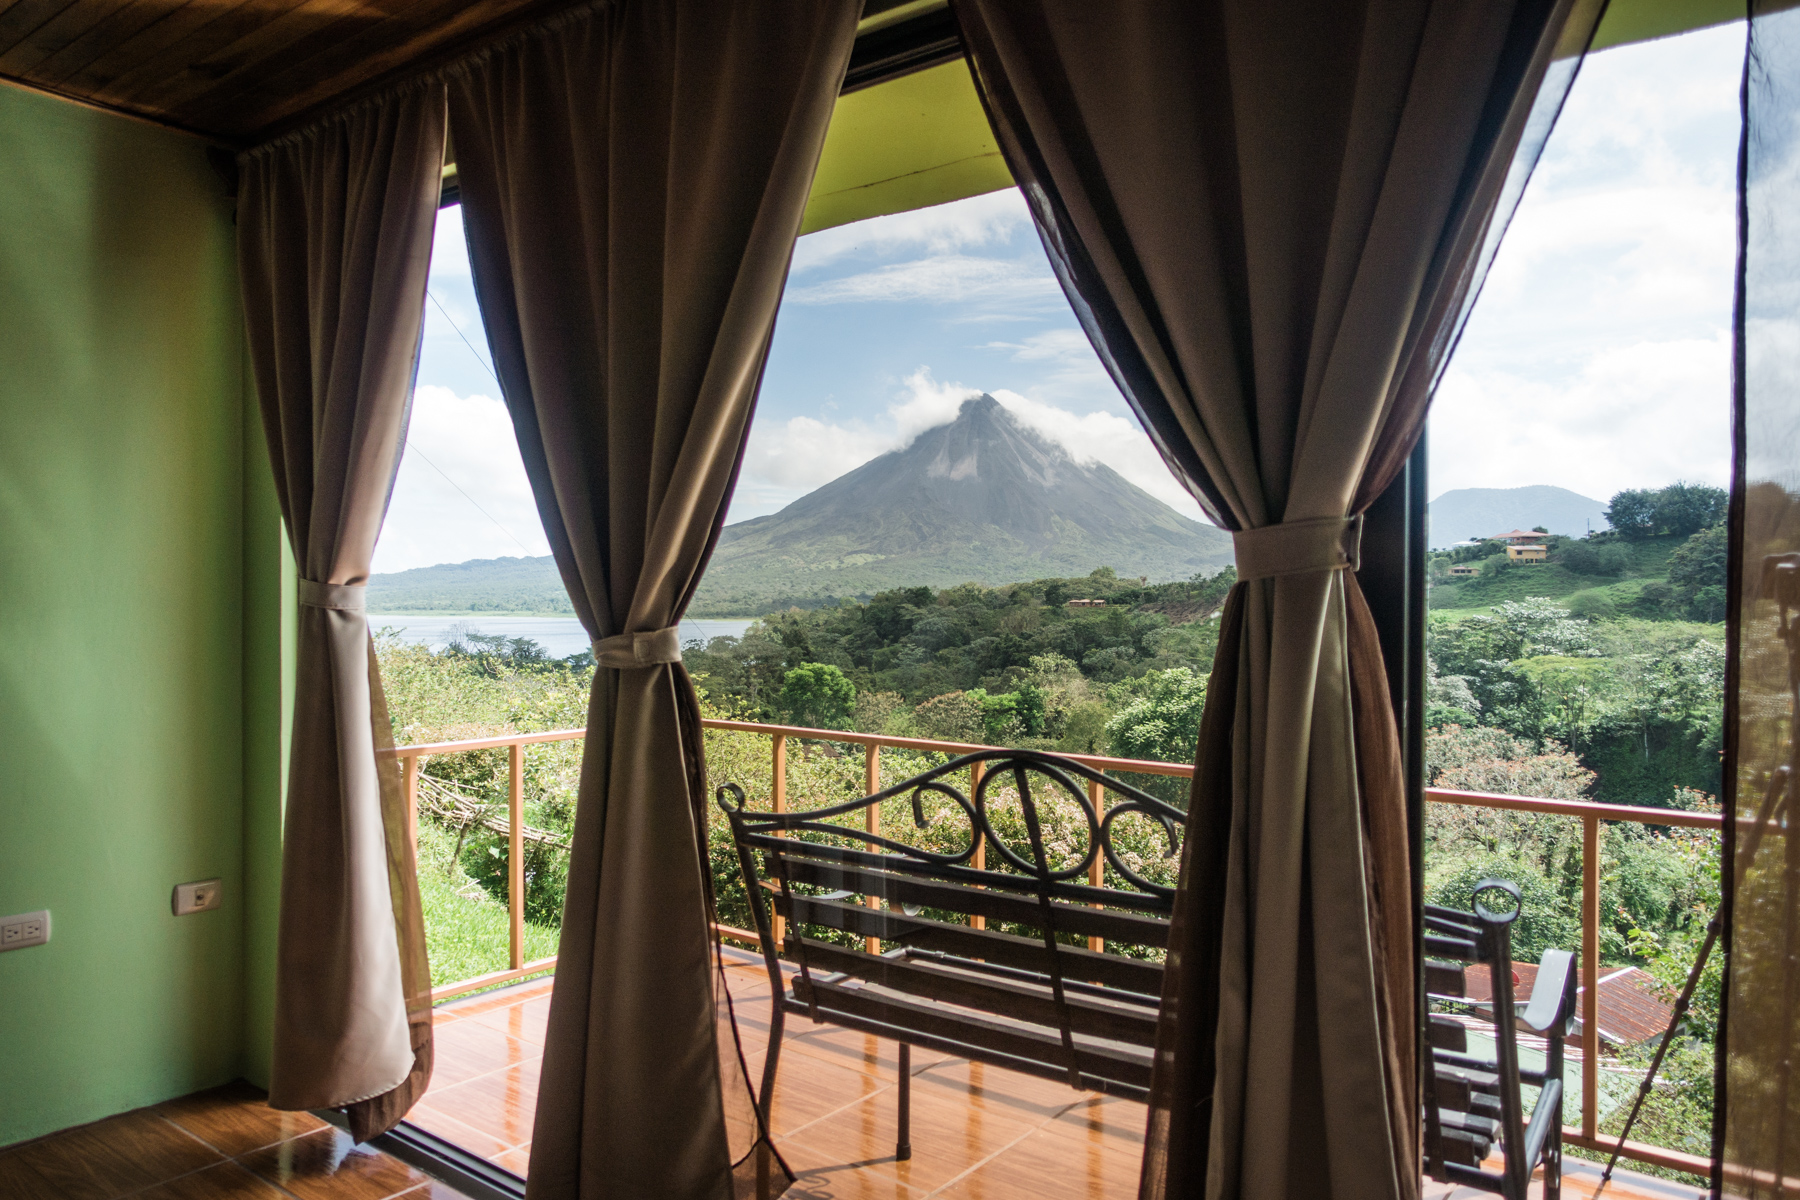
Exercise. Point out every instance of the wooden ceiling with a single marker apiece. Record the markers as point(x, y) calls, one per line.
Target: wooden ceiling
point(237, 70)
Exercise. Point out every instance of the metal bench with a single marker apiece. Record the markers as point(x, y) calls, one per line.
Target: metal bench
point(1473, 1102)
point(1066, 983)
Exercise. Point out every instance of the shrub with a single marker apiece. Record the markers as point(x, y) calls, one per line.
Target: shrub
point(1547, 921)
point(817, 695)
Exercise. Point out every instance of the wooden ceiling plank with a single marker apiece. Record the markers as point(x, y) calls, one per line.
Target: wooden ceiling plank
point(27, 17)
point(469, 23)
point(309, 54)
point(124, 28)
point(22, 59)
point(251, 51)
point(195, 45)
point(101, 74)
point(329, 56)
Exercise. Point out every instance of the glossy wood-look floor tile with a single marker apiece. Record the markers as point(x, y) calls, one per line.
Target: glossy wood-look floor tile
point(804, 1095)
point(1046, 1164)
point(978, 1133)
point(18, 1181)
point(525, 1021)
point(452, 1130)
point(947, 1139)
point(226, 1181)
point(473, 1048)
point(327, 1165)
point(502, 1104)
point(235, 1120)
point(117, 1156)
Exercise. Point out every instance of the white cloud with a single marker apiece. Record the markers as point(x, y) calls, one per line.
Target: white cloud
point(1598, 357)
point(1640, 415)
point(942, 229)
point(449, 253)
point(462, 491)
point(941, 279)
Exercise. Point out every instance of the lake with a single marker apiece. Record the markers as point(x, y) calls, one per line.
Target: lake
point(559, 636)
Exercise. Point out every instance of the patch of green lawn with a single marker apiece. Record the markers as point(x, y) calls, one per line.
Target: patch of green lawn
point(465, 927)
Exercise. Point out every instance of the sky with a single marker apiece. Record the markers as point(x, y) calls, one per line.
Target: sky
point(1598, 356)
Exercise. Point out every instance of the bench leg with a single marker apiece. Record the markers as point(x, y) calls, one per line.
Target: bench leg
point(903, 1145)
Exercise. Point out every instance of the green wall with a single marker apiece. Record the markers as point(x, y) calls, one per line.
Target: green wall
point(139, 711)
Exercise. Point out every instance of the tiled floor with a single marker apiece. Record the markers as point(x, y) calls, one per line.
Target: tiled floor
point(225, 1144)
point(978, 1132)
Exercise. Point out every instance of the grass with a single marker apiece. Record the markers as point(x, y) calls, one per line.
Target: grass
point(465, 928)
point(1649, 562)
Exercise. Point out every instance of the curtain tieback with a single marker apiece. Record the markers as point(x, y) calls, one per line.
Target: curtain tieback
point(622, 651)
point(1299, 547)
point(344, 597)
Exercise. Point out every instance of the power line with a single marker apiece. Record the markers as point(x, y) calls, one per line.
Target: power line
point(485, 365)
point(484, 512)
point(414, 449)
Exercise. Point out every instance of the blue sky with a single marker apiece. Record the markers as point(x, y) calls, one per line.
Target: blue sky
point(1597, 359)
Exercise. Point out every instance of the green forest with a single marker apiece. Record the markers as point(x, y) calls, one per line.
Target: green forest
point(1597, 674)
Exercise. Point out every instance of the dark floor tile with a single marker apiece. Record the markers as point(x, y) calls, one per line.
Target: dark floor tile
point(18, 1181)
point(236, 1119)
point(327, 1165)
point(116, 1156)
point(227, 1181)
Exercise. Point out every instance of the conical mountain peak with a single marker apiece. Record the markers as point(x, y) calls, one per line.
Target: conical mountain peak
point(984, 497)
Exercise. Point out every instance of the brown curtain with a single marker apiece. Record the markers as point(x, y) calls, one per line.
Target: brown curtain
point(633, 177)
point(1271, 222)
point(334, 242)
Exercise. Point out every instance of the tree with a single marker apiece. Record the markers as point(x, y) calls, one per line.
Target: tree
point(1697, 573)
point(1164, 723)
point(1632, 513)
point(1687, 508)
point(817, 695)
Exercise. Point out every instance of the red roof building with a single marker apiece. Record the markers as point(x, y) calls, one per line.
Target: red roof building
point(1631, 1007)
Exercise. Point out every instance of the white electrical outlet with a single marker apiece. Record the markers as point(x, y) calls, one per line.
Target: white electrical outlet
point(195, 897)
point(26, 929)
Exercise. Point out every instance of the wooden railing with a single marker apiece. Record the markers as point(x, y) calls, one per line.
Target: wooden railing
point(1590, 815)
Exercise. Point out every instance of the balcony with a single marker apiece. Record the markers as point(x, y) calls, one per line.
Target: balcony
point(980, 1132)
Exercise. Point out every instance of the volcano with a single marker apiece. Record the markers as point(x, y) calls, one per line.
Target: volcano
point(984, 499)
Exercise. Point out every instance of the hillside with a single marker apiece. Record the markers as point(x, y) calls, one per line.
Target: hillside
point(481, 585)
point(983, 499)
point(1456, 516)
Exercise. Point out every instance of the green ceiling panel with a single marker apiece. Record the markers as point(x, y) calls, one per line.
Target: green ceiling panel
point(912, 142)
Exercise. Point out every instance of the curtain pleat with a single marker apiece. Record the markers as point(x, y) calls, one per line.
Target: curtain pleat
point(633, 177)
point(1756, 1123)
point(1271, 225)
point(334, 244)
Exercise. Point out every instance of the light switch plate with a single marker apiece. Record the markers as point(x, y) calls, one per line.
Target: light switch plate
point(25, 929)
point(196, 897)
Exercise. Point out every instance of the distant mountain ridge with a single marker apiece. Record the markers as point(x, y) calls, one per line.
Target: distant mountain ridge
point(982, 499)
point(1457, 516)
point(491, 585)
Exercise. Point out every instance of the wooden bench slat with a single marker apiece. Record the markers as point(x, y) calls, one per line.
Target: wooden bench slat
point(1122, 1064)
point(1079, 963)
point(963, 985)
point(1445, 979)
point(1447, 1033)
point(1004, 881)
point(1087, 922)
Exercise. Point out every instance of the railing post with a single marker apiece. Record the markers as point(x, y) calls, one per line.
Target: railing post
point(778, 803)
point(409, 774)
point(515, 858)
point(979, 862)
point(871, 785)
point(1590, 975)
point(1097, 868)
